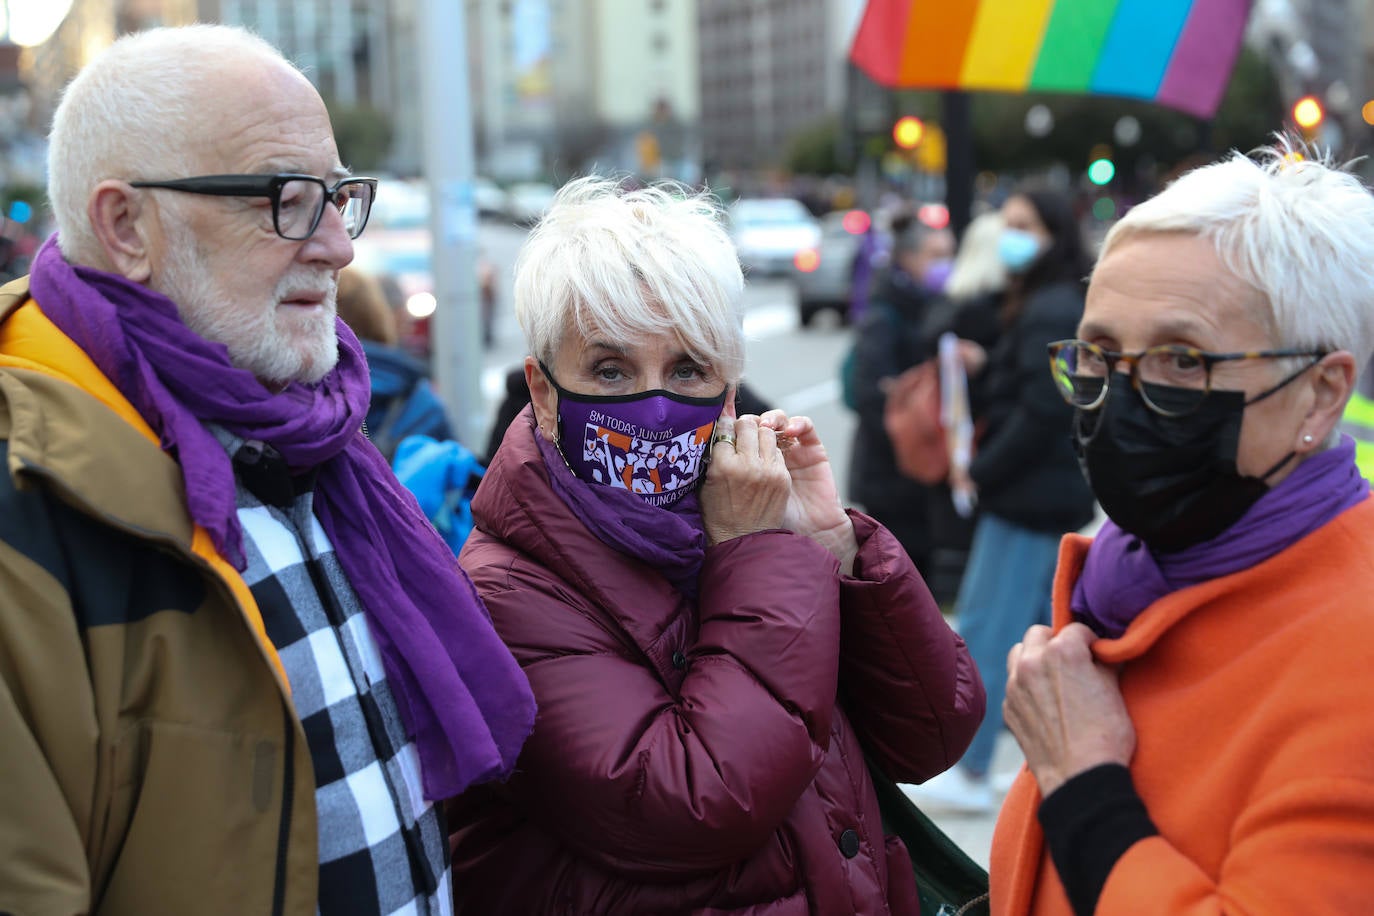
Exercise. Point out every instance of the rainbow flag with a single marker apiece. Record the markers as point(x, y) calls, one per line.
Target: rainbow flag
point(1177, 53)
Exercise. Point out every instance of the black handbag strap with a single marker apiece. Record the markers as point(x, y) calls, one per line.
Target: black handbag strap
point(949, 882)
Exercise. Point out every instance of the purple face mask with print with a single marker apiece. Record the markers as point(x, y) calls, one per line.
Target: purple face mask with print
point(653, 443)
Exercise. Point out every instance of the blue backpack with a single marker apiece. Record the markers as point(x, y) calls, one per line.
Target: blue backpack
point(444, 477)
point(418, 412)
point(403, 401)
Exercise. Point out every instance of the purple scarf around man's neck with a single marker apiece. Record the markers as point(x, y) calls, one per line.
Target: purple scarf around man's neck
point(1121, 577)
point(463, 699)
point(673, 541)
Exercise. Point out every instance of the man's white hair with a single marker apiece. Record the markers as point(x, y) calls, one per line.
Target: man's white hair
point(127, 113)
point(626, 264)
point(1290, 223)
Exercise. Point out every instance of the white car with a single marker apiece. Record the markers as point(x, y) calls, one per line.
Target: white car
point(769, 232)
point(825, 274)
point(489, 198)
point(528, 201)
point(402, 203)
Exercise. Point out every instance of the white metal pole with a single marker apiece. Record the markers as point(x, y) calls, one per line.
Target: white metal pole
point(447, 156)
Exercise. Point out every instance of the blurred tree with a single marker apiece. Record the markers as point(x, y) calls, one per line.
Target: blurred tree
point(1250, 110)
point(363, 133)
point(1161, 140)
point(35, 196)
point(579, 145)
point(814, 150)
point(1252, 107)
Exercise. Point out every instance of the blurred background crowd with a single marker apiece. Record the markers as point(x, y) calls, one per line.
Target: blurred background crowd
point(755, 99)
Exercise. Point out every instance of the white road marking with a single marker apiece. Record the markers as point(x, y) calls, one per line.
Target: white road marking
point(770, 321)
point(494, 383)
point(799, 403)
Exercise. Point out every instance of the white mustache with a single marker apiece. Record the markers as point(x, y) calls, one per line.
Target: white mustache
point(293, 286)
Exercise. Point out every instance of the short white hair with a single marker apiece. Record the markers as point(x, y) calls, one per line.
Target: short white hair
point(125, 116)
point(978, 269)
point(1290, 223)
point(631, 263)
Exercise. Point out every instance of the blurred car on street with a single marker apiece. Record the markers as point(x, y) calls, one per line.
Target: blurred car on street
point(402, 203)
point(768, 232)
point(489, 198)
point(824, 274)
point(528, 201)
point(397, 248)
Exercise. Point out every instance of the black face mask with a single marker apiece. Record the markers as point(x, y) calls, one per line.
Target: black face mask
point(1170, 481)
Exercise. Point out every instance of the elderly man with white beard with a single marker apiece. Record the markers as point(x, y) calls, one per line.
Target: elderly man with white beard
point(239, 671)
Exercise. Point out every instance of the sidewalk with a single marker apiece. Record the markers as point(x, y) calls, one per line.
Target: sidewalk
point(973, 832)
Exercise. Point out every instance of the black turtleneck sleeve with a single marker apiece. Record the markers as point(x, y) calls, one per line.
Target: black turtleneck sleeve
point(1089, 822)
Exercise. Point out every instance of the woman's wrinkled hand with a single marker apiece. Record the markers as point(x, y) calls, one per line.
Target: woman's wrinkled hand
point(1065, 708)
point(814, 509)
point(973, 356)
point(747, 486)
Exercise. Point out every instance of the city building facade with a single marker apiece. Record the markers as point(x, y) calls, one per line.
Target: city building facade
point(769, 70)
point(562, 86)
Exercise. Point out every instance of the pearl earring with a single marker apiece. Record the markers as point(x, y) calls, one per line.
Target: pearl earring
point(1307, 439)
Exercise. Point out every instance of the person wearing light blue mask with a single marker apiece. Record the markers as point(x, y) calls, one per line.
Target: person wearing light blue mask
point(1030, 491)
point(1018, 249)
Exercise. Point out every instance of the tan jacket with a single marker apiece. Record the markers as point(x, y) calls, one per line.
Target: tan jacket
point(150, 760)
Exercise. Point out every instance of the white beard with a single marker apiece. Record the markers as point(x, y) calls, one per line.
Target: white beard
point(278, 344)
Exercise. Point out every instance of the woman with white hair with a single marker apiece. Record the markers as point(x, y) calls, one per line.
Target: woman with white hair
point(713, 642)
point(1196, 723)
point(978, 270)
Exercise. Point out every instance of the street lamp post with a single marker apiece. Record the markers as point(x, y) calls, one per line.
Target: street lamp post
point(448, 154)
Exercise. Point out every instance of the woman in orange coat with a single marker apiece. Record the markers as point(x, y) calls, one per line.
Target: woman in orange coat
point(1196, 726)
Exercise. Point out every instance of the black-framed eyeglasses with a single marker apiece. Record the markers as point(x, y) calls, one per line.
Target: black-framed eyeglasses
point(298, 201)
point(1172, 380)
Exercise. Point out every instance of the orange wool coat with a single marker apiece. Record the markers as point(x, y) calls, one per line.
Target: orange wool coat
point(1252, 697)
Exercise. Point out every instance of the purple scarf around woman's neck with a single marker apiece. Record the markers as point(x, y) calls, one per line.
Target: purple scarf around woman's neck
point(1121, 577)
point(463, 699)
point(673, 541)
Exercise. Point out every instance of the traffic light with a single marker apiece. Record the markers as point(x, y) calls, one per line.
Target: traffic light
point(908, 131)
point(933, 152)
point(1101, 171)
point(1308, 114)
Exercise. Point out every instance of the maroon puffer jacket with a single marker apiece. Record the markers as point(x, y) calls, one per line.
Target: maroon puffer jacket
point(695, 759)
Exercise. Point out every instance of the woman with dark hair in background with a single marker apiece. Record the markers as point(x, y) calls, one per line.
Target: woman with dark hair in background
point(887, 342)
point(1030, 491)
